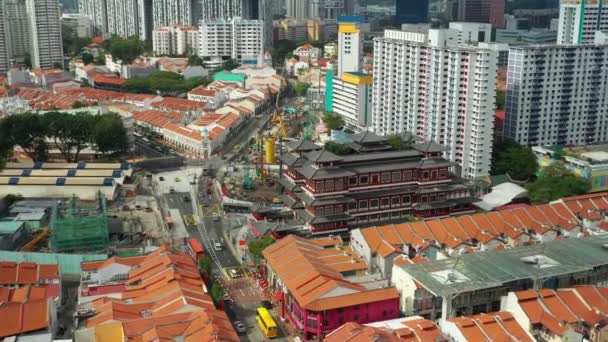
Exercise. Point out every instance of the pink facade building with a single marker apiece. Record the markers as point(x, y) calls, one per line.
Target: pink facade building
point(497, 13)
point(322, 284)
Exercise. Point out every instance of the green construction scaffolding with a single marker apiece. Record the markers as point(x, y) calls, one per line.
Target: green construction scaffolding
point(77, 226)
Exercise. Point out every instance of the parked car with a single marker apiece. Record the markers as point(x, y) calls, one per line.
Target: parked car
point(161, 178)
point(240, 327)
point(210, 191)
point(186, 199)
point(266, 304)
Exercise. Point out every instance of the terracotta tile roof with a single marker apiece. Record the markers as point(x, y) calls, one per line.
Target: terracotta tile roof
point(164, 299)
point(12, 273)
point(45, 100)
point(207, 119)
point(23, 310)
point(229, 120)
point(200, 325)
point(469, 329)
point(202, 91)
point(215, 133)
point(184, 131)
point(491, 327)
point(534, 305)
point(158, 118)
point(355, 332)
point(97, 265)
point(178, 104)
point(109, 80)
point(312, 271)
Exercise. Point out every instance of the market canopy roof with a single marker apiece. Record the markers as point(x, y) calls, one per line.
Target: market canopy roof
point(484, 270)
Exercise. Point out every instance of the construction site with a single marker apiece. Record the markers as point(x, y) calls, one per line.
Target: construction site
point(254, 176)
point(77, 226)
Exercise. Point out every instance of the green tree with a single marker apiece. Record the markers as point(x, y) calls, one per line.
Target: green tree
point(554, 182)
point(165, 82)
point(109, 134)
point(125, 49)
point(71, 133)
point(28, 131)
point(257, 246)
point(101, 59)
point(204, 265)
point(280, 49)
point(301, 88)
point(195, 60)
point(77, 104)
point(500, 99)
point(333, 121)
point(230, 65)
point(337, 148)
point(87, 58)
point(217, 294)
point(513, 159)
point(397, 142)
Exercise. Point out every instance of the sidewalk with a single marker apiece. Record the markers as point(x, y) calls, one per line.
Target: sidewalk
point(233, 244)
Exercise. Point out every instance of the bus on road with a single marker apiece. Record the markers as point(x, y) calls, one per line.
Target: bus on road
point(266, 323)
point(195, 249)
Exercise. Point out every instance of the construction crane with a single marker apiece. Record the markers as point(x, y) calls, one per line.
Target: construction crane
point(277, 117)
point(41, 236)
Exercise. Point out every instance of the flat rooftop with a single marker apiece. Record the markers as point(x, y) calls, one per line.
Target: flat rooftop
point(484, 270)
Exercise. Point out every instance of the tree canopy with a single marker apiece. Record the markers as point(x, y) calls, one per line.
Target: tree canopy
point(397, 142)
point(125, 49)
point(281, 49)
point(337, 148)
point(257, 246)
point(204, 265)
point(554, 182)
point(301, 88)
point(500, 99)
point(165, 82)
point(217, 294)
point(87, 58)
point(333, 121)
point(230, 65)
point(516, 160)
point(69, 133)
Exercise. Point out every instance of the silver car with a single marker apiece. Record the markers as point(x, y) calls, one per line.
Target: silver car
point(240, 327)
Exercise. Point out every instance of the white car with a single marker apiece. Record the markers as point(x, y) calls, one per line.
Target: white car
point(218, 246)
point(240, 327)
point(234, 273)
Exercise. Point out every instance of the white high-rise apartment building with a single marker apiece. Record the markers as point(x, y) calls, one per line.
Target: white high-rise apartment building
point(80, 24)
point(18, 29)
point(123, 18)
point(174, 40)
point(97, 11)
point(45, 33)
point(221, 9)
point(439, 91)
point(350, 46)
point(240, 39)
point(579, 19)
point(172, 12)
point(5, 62)
point(557, 94)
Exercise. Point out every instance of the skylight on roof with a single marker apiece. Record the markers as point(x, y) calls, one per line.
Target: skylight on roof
point(449, 276)
point(540, 261)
